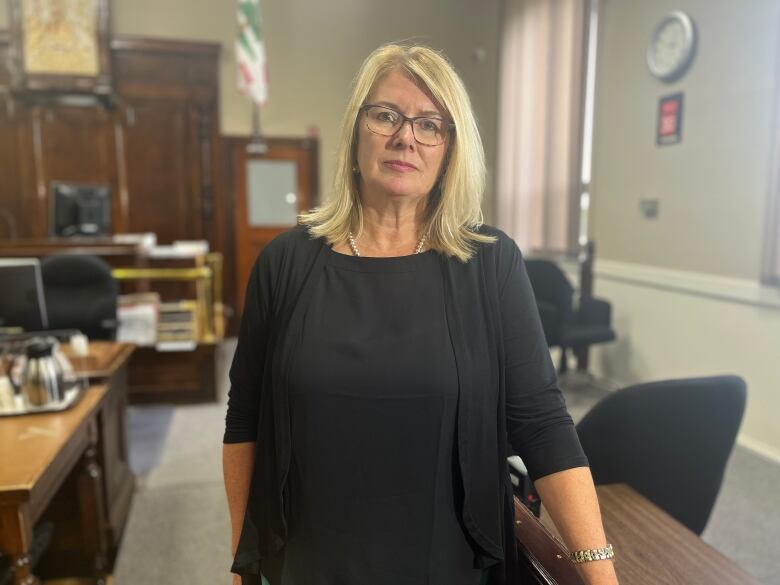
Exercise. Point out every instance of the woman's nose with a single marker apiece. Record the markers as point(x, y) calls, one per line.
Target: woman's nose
point(405, 134)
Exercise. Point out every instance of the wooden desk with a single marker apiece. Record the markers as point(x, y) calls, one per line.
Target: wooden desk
point(108, 362)
point(652, 548)
point(48, 469)
point(39, 453)
point(103, 360)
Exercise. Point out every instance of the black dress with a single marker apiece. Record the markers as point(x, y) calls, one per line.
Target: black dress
point(373, 401)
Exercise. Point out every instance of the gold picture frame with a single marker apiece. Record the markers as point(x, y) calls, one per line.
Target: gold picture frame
point(60, 45)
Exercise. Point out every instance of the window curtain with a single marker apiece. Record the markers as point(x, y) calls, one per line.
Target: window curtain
point(543, 68)
point(770, 265)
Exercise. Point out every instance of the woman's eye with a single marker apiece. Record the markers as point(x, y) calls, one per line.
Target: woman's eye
point(429, 125)
point(386, 117)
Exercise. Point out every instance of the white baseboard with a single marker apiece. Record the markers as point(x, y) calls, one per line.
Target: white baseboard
point(759, 448)
point(699, 284)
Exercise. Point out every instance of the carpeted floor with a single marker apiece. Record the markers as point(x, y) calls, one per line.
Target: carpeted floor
point(178, 532)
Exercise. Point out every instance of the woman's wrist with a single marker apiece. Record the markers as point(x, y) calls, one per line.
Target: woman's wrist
point(598, 572)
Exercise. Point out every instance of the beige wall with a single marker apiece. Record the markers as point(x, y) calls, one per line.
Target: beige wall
point(315, 48)
point(712, 187)
point(684, 287)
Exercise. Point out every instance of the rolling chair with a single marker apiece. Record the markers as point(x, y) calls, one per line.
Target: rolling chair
point(80, 294)
point(668, 440)
point(565, 325)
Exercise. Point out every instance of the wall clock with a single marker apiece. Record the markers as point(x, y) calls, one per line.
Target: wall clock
point(672, 46)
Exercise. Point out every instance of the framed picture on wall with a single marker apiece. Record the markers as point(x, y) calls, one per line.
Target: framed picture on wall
point(60, 45)
point(670, 118)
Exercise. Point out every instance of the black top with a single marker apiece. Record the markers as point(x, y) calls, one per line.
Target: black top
point(506, 384)
point(373, 395)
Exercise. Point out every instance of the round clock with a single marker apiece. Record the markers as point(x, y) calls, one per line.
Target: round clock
point(672, 46)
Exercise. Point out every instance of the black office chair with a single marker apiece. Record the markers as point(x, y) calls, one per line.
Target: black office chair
point(80, 294)
point(668, 440)
point(565, 325)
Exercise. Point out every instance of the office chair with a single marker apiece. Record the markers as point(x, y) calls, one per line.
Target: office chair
point(668, 440)
point(565, 325)
point(80, 294)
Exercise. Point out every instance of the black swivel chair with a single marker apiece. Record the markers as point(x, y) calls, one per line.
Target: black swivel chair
point(80, 294)
point(565, 325)
point(668, 440)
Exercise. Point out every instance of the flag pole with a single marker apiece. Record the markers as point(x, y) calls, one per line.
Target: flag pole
point(257, 145)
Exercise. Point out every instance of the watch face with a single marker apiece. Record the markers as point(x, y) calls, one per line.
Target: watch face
point(671, 47)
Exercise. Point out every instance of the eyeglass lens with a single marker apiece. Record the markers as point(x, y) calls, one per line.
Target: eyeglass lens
point(386, 121)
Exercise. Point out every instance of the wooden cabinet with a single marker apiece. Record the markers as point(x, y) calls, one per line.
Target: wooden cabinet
point(117, 477)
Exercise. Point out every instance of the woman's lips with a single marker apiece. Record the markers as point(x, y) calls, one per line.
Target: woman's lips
point(400, 166)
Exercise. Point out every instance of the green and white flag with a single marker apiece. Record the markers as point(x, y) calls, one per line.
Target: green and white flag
point(250, 53)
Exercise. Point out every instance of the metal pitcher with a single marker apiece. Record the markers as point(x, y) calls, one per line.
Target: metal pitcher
point(42, 382)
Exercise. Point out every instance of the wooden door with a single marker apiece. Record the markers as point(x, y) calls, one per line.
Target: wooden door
point(270, 189)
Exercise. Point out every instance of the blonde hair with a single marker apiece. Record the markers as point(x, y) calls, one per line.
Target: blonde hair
point(454, 212)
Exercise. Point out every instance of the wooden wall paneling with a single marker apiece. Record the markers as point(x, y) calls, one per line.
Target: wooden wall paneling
point(10, 177)
point(77, 145)
point(166, 69)
point(206, 154)
point(181, 78)
point(5, 59)
point(227, 183)
point(156, 137)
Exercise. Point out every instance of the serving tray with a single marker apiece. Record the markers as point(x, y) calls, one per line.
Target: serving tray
point(72, 396)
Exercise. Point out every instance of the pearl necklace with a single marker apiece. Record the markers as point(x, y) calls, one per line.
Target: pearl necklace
point(356, 252)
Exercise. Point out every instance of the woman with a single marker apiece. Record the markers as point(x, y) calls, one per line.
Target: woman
point(388, 347)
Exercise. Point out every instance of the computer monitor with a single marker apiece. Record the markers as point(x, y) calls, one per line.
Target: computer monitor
point(80, 210)
point(22, 303)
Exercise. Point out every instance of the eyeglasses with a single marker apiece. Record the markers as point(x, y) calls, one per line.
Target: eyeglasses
point(387, 121)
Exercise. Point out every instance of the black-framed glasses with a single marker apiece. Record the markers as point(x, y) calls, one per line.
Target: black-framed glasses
point(386, 121)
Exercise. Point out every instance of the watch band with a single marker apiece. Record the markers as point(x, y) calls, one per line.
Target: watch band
point(592, 554)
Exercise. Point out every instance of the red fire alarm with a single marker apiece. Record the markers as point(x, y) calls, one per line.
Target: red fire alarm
point(669, 120)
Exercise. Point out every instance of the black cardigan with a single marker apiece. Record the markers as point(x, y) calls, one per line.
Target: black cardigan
point(507, 388)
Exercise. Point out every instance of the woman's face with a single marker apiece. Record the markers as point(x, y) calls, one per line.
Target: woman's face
point(398, 165)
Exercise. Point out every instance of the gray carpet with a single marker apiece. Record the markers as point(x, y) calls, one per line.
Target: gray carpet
point(179, 516)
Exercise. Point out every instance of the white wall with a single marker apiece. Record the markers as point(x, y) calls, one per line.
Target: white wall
point(672, 324)
point(684, 286)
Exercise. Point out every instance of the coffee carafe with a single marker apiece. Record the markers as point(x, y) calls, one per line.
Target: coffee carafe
point(42, 380)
